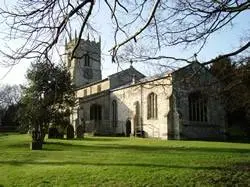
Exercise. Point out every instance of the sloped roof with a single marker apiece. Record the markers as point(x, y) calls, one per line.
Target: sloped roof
point(129, 70)
point(142, 80)
point(159, 76)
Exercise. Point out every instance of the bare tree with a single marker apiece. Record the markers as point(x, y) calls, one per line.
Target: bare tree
point(41, 24)
point(9, 95)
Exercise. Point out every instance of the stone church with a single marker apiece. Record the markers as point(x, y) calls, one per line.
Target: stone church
point(181, 104)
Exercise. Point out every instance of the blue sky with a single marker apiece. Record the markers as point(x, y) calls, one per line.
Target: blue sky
point(224, 41)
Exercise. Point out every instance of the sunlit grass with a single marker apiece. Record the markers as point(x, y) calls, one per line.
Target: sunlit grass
point(107, 161)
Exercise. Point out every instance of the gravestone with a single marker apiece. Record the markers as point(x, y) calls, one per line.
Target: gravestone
point(80, 131)
point(70, 132)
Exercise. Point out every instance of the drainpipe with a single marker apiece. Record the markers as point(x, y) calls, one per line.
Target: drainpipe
point(141, 112)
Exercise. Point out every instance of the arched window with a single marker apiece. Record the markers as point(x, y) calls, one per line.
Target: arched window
point(152, 106)
point(95, 112)
point(114, 113)
point(197, 107)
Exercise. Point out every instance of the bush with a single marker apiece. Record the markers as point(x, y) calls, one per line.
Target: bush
point(70, 132)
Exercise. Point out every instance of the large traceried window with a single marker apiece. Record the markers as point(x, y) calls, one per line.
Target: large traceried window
point(152, 106)
point(197, 107)
point(114, 113)
point(95, 112)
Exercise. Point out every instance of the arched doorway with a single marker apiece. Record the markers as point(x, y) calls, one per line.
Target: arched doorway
point(128, 128)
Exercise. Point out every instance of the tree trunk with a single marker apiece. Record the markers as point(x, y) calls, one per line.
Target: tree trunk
point(37, 140)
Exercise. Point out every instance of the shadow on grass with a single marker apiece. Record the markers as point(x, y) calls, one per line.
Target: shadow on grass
point(67, 145)
point(242, 166)
point(100, 147)
point(21, 145)
point(96, 139)
point(102, 139)
point(144, 165)
point(4, 134)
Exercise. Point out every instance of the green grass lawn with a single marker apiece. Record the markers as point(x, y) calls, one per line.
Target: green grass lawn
point(107, 161)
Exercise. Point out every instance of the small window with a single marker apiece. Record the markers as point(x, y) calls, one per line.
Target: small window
point(152, 106)
point(85, 92)
point(69, 59)
point(86, 60)
point(99, 88)
point(197, 107)
point(69, 63)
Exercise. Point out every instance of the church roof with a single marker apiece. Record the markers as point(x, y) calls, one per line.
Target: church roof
point(157, 76)
point(122, 78)
point(151, 78)
point(143, 80)
point(130, 70)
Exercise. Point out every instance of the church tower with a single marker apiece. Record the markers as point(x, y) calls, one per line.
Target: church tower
point(85, 66)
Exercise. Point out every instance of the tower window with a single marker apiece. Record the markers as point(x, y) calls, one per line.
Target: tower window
point(69, 59)
point(197, 107)
point(86, 60)
point(152, 106)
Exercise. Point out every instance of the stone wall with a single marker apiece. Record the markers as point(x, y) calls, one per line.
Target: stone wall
point(191, 79)
point(127, 97)
point(96, 126)
point(173, 111)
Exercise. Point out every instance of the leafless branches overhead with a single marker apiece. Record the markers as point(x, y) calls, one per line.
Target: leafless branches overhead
point(180, 23)
point(9, 95)
point(41, 24)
